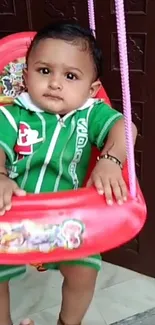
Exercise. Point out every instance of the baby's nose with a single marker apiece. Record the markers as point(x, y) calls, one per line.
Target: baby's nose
point(55, 83)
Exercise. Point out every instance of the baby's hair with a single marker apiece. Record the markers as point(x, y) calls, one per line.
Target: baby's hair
point(75, 34)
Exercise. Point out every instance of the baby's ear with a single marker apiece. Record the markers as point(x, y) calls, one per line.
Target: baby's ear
point(96, 85)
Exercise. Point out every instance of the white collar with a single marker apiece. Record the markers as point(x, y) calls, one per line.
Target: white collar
point(25, 101)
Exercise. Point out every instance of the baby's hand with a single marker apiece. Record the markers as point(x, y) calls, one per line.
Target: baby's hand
point(7, 189)
point(107, 178)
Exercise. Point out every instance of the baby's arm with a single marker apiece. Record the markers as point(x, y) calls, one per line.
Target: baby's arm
point(107, 175)
point(9, 121)
point(106, 123)
point(116, 144)
point(7, 186)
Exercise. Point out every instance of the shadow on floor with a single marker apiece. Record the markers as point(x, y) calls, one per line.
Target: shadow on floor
point(145, 318)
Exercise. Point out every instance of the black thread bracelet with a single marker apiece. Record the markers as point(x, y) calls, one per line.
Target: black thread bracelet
point(3, 173)
point(112, 158)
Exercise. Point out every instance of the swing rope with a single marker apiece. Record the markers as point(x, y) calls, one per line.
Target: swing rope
point(124, 67)
point(91, 15)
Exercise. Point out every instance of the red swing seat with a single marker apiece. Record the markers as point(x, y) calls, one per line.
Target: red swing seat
point(84, 220)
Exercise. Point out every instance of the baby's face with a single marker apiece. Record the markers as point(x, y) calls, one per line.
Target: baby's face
point(60, 76)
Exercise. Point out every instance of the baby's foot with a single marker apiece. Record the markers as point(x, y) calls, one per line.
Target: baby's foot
point(27, 322)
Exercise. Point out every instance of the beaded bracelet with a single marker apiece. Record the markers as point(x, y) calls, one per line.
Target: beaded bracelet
point(112, 158)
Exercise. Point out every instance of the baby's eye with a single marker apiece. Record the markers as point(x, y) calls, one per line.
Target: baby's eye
point(71, 76)
point(44, 70)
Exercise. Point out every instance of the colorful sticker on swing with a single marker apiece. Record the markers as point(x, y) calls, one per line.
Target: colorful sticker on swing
point(11, 81)
point(30, 237)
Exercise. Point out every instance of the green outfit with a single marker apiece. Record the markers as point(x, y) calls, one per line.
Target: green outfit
point(49, 153)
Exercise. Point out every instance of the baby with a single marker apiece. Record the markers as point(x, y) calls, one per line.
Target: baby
point(46, 139)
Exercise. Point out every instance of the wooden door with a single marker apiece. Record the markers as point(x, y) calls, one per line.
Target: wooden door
point(139, 253)
point(22, 15)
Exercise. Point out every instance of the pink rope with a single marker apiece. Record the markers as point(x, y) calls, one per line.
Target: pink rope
point(122, 43)
point(91, 14)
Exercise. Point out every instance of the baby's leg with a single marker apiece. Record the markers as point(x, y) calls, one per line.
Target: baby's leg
point(77, 290)
point(5, 318)
point(6, 273)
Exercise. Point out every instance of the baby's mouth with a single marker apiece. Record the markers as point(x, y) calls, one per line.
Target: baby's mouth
point(53, 97)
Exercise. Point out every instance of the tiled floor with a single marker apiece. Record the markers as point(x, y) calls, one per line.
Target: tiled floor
point(120, 293)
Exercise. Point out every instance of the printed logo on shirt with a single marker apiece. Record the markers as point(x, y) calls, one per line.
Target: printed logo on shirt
point(81, 141)
point(26, 139)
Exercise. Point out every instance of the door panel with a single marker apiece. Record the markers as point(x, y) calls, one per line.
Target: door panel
point(139, 253)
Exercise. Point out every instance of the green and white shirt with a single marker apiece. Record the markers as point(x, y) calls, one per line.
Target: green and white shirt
point(47, 153)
